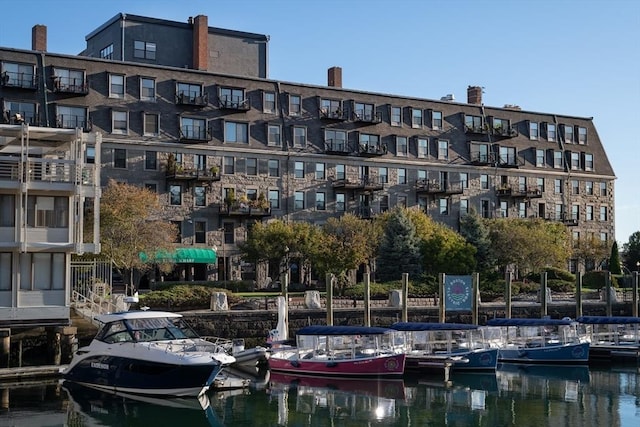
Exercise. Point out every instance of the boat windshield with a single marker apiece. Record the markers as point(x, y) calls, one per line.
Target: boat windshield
point(141, 330)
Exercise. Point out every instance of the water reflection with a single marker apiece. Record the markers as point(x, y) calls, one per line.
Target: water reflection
point(514, 395)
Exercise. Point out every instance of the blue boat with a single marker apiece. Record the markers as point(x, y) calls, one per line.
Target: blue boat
point(544, 341)
point(612, 338)
point(463, 344)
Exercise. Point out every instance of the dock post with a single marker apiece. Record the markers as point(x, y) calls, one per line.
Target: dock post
point(607, 286)
point(441, 313)
point(508, 277)
point(69, 342)
point(578, 294)
point(405, 297)
point(475, 301)
point(329, 283)
point(4, 398)
point(634, 298)
point(5, 354)
point(54, 345)
point(367, 300)
point(543, 294)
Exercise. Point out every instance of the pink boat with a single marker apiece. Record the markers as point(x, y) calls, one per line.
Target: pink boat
point(345, 351)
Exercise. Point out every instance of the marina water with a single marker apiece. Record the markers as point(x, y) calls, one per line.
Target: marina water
point(513, 396)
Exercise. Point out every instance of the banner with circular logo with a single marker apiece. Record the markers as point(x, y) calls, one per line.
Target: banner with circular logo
point(457, 293)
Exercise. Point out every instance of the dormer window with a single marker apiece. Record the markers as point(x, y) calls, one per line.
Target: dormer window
point(18, 75)
point(232, 98)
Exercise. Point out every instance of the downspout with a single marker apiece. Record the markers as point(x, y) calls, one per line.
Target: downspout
point(285, 143)
point(124, 17)
point(43, 82)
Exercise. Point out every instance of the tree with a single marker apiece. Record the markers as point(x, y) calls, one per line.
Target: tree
point(130, 224)
point(590, 250)
point(474, 230)
point(399, 250)
point(614, 259)
point(631, 251)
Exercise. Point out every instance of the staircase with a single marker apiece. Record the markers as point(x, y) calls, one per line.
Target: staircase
point(99, 300)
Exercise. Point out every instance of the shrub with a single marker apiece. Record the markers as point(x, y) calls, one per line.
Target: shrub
point(596, 280)
point(557, 285)
point(183, 297)
point(553, 273)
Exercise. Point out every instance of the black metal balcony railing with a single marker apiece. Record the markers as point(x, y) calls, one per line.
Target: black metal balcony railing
point(504, 132)
point(336, 146)
point(19, 80)
point(332, 114)
point(194, 98)
point(509, 161)
point(427, 186)
point(70, 85)
point(366, 212)
point(70, 121)
point(569, 220)
point(527, 193)
point(372, 117)
point(18, 118)
point(241, 209)
point(372, 149)
point(194, 133)
point(178, 172)
point(482, 159)
point(363, 183)
point(476, 129)
point(234, 103)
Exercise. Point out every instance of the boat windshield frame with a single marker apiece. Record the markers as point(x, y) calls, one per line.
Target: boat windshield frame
point(145, 330)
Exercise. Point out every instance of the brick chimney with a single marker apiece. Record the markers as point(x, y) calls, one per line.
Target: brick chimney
point(200, 42)
point(334, 77)
point(39, 38)
point(474, 95)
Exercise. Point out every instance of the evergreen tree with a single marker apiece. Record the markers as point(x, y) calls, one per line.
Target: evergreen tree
point(399, 250)
point(477, 234)
point(631, 251)
point(614, 260)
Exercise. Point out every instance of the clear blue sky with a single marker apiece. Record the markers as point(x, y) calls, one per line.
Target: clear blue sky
point(574, 57)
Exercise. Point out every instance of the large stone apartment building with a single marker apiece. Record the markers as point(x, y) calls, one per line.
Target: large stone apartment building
point(188, 111)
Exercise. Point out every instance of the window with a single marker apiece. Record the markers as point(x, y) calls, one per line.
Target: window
point(401, 201)
point(402, 176)
point(443, 149)
point(26, 109)
point(199, 196)
point(588, 162)
point(575, 161)
point(522, 184)
point(175, 194)
point(480, 153)
point(200, 162)
point(147, 89)
point(200, 231)
point(485, 208)
point(582, 135)
point(188, 92)
point(500, 126)
point(383, 175)
point(269, 102)
point(120, 158)
point(66, 80)
point(522, 209)
point(274, 199)
point(464, 180)
point(540, 158)
point(7, 210)
point(336, 140)
point(48, 211)
point(71, 117)
point(144, 50)
point(464, 207)
point(151, 160)
point(575, 212)
point(603, 213)
point(340, 172)
point(603, 188)
point(116, 86)
point(274, 168)
point(119, 122)
point(236, 132)
point(416, 118)
point(191, 128)
point(252, 166)
point(151, 186)
point(508, 156)
point(228, 165)
point(551, 132)
point(320, 201)
point(298, 200)
point(151, 124)
point(90, 155)
point(575, 187)
point(178, 226)
point(365, 112)
point(557, 186)
point(340, 202)
point(557, 159)
point(423, 147)
point(298, 170)
point(473, 123)
point(232, 98)
point(252, 194)
point(18, 75)
point(484, 182)
point(402, 147)
point(588, 188)
point(436, 119)
point(589, 213)
point(299, 136)
point(396, 116)
point(533, 130)
point(504, 209)
point(331, 108)
point(604, 236)
point(6, 262)
point(540, 185)
point(558, 212)
point(295, 105)
point(568, 134)
point(107, 52)
point(320, 171)
point(369, 143)
point(42, 271)
point(273, 132)
point(443, 206)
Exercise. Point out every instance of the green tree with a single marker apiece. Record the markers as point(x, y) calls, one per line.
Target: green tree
point(590, 250)
point(474, 230)
point(631, 251)
point(399, 250)
point(130, 224)
point(269, 242)
point(614, 259)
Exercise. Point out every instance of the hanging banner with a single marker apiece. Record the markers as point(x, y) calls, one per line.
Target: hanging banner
point(457, 293)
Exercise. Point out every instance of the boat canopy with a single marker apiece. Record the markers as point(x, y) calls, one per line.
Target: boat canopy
point(606, 320)
point(423, 326)
point(141, 314)
point(529, 322)
point(343, 330)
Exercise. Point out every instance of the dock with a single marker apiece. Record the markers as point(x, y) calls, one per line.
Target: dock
point(30, 373)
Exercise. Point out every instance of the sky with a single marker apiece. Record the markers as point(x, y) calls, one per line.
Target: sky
point(569, 57)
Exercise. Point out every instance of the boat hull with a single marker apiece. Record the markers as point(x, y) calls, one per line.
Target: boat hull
point(577, 353)
point(381, 366)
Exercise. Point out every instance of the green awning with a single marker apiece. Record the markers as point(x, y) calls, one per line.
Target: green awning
point(183, 256)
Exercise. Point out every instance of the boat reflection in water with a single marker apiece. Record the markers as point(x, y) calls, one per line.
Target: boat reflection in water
point(545, 381)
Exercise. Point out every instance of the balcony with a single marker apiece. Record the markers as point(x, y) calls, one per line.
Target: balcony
point(194, 134)
point(333, 114)
point(482, 159)
point(70, 85)
point(367, 118)
point(372, 150)
point(243, 210)
point(364, 183)
point(476, 130)
point(509, 161)
point(504, 132)
point(70, 121)
point(233, 103)
point(426, 186)
point(366, 212)
point(516, 193)
point(178, 173)
point(193, 99)
point(336, 146)
point(19, 80)
point(566, 219)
